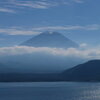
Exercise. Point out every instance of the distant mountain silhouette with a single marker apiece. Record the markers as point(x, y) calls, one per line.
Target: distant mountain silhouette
point(89, 71)
point(50, 39)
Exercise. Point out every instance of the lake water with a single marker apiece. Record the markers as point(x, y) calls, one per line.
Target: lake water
point(50, 91)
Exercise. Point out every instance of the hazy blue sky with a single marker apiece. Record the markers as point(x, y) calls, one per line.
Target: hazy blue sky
point(20, 20)
point(77, 19)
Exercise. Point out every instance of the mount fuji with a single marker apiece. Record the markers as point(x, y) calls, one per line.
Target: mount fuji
point(50, 39)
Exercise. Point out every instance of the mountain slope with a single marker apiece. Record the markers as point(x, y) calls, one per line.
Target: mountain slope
point(50, 39)
point(89, 71)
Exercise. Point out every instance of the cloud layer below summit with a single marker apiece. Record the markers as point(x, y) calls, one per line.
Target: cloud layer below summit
point(82, 52)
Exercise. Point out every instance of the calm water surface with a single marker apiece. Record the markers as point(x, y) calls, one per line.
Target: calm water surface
point(50, 91)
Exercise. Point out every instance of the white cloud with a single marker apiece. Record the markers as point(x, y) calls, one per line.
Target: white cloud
point(37, 30)
point(78, 1)
point(34, 4)
point(42, 4)
point(83, 45)
point(38, 4)
point(30, 4)
point(13, 6)
point(15, 31)
point(7, 10)
point(70, 52)
point(69, 27)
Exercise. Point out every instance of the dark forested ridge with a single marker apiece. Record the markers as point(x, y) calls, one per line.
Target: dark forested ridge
point(29, 77)
point(89, 71)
